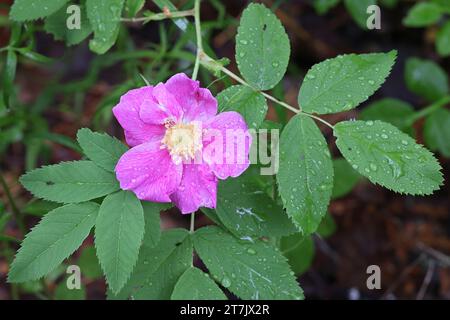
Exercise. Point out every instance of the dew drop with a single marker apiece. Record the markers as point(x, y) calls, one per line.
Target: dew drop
point(226, 282)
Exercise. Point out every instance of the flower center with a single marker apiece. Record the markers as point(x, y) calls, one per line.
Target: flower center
point(182, 140)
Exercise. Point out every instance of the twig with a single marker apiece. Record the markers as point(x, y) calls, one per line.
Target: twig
point(426, 280)
point(166, 14)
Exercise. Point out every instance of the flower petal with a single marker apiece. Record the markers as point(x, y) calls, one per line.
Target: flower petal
point(149, 172)
point(198, 188)
point(197, 103)
point(226, 144)
point(163, 106)
point(127, 114)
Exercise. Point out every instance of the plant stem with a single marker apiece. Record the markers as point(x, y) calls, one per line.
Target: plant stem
point(161, 16)
point(198, 34)
point(427, 110)
point(14, 208)
point(192, 227)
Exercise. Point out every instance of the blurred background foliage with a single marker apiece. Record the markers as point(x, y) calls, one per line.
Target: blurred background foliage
point(54, 82)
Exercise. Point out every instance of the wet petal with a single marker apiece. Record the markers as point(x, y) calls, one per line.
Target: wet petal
point(198, 188)
point(197, 103)
point(226, 144)
point(149, 172)
point(163, 106)
point(127, 114)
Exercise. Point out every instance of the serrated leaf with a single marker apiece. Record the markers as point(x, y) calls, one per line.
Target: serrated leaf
point(390, 110)
point(38, 207)
point(194, 284)
point(323, 6)
point(152, 212)
point(103, 149)
point(56, 237)
point(426, 79)
point(305, 177)
point(249, 103)
point(342, 83)
point(388, 157)
point(23, 10)
point(56, 24)
point(345, 178)
point(299, 250)
point(443, 40)
point(358, 11)
point(159, 268)
point(437, 131)
point(262, 47)
point(251, 270)
point(422, 14)
point(248, 212)
point(104, 16)
point(69, 182)
point(119, 231)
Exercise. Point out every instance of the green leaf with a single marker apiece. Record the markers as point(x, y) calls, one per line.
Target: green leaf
point(152, 212)
point(299, 250)
point(323, 6)
point(88, 263)
point(422, 14)
point(38, 207)
point(305, 177)
point(55, 238)
point(23, 10)
point(132, 7)
point(388, 157)
point(443, 40)
point(9, 72)
point(443, 4)
point(251, 270)
point(159, 268)
point(34, 56)
point(437, 131)
point(194, 284)
point(56, 24)
point(62, 292)
point(262, 47)
point(345, 178)
point(248, 212)
point(104, 16)
point(390, 110)
point(389, 3)
point(118, 236)
point(103, 149)
point(68, 182)
point(426, 79)
point(327, 227)
point(358, 11)
point(342, 83)
point(249, 103)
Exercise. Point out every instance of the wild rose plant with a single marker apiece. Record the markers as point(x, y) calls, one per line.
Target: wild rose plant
point(184, 152)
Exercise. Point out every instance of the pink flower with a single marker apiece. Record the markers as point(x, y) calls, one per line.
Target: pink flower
point(180, 145)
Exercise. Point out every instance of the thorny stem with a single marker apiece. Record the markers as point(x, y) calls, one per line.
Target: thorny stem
point(161, 16)
point(198, 34)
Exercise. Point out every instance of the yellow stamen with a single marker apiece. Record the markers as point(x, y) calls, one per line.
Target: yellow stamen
point(182, 140)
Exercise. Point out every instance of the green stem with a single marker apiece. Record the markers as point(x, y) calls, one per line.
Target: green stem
point(16, 213)
point(198, 34)
point(427, 110)
point(161, 16)
point(192, 227)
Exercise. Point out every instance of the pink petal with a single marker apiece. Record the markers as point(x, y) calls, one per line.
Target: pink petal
point(226, 144)
point(149, 172)
point(127, 114)
point(163, 106)
point(198, 188)
point(197, 103)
